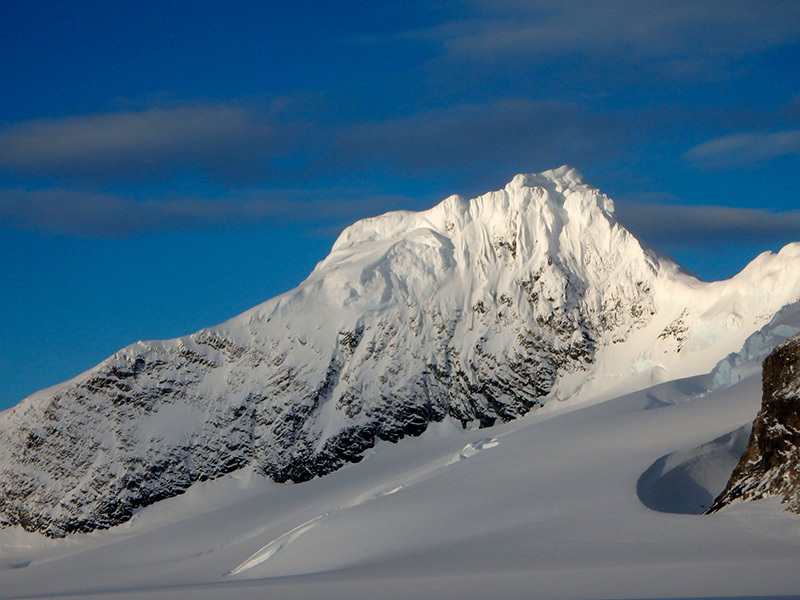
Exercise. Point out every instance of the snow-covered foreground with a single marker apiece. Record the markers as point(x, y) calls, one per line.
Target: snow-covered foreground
point(544, 507)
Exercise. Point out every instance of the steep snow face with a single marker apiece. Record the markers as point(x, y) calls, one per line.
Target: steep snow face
point(477, 311)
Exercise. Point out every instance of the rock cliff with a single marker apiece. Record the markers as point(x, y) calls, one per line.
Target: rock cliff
point(770, 466)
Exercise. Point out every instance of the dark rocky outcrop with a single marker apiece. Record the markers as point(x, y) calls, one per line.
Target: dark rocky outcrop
point(770, 466)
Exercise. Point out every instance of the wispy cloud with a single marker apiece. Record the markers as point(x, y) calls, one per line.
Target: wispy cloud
point(218, 140)
point(685, 225)
point(675, 35)
point(510, 135)
point(742, 149)
point(99, 215)
point(236, 144)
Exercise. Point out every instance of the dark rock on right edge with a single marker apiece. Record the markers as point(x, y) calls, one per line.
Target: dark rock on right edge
point(770, 466)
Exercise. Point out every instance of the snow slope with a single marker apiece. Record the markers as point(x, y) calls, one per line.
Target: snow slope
point(543, 507)
point(475, 311)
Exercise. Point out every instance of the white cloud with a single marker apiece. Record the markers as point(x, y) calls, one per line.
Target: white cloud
point(99, 215)
point(659, 27)
point(217, 139)
point(708, 225)
point(742, 149)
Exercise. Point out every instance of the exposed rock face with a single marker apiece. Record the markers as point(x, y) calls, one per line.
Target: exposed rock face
point(770, 466)
point(475, 310)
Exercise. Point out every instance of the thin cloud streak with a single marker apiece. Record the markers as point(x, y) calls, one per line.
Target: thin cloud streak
point(679, 37)
point(219, 140)
point(235, 144)
point(98, 215)
point(744, 149)
point(684, 225)
point(510, 135)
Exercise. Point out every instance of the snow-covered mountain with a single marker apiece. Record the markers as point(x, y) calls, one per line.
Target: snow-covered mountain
point(475, 310)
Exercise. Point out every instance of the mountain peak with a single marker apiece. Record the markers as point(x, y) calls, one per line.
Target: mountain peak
point(550, 199)
point(561, 178)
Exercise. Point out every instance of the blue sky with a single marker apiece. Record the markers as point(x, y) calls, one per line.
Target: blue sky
point(164, 166)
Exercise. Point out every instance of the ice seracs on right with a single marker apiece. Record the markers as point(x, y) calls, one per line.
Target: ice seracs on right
point(475, 311)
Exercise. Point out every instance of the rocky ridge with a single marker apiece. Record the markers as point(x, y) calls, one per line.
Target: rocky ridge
point(770, 465)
